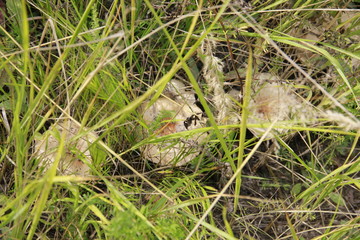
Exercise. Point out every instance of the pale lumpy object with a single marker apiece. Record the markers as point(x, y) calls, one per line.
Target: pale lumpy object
point(185, 116)
point(273, 102)
point(76, 151)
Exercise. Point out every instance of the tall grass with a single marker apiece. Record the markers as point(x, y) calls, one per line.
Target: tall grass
point(96, 61)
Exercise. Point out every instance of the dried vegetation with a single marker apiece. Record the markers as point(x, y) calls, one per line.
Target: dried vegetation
point(179, 119)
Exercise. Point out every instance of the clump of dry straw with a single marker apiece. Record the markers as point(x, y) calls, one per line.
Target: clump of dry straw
point(214, 77)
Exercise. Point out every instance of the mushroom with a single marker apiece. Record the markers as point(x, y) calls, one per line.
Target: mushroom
point(174, 112)
point(76, 156)
point(275, 101)
point(272, 100)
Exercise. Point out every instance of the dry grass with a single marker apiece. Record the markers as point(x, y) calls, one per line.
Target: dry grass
point(273, 82)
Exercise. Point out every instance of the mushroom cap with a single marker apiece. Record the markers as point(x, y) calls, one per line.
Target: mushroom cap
point(272, 102)
point(166, 116)
point(76, 151)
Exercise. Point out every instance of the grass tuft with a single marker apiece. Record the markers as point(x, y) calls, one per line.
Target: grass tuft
point(260, 174)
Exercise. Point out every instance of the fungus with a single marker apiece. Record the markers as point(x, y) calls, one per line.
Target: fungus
point(273, 101)
point(76, 156)
point(173, 113)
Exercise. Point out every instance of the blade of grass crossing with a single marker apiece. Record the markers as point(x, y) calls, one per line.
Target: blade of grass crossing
point(231, 180)
point(57, 66)
point(245, 112)
point(20, 133)
point(46, 187)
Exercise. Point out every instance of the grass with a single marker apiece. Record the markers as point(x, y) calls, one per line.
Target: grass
point(96, 61)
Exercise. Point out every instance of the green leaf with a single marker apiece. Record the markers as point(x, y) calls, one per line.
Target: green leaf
point(337, 199)
point(296, 189)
